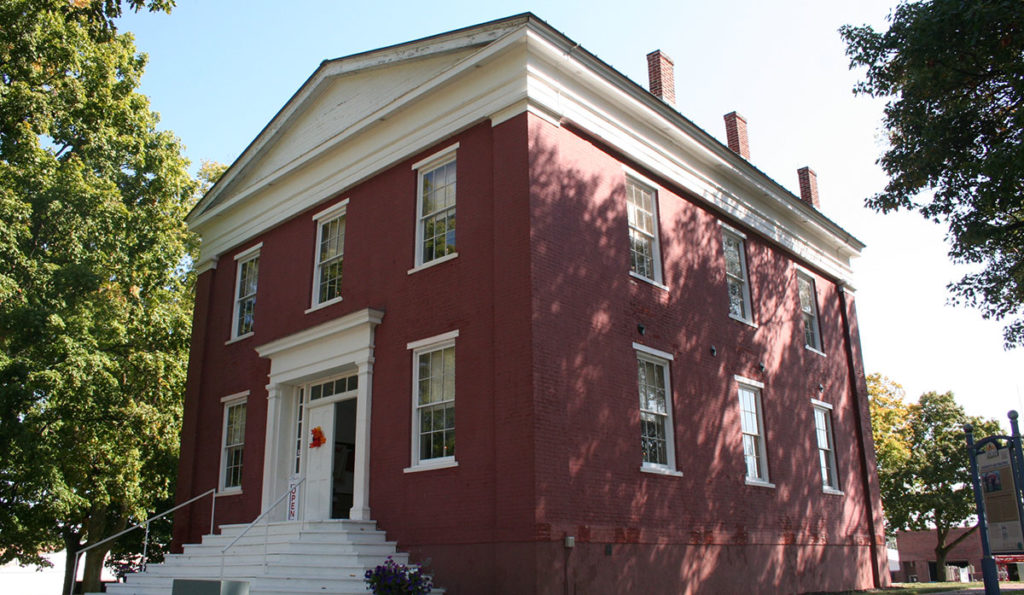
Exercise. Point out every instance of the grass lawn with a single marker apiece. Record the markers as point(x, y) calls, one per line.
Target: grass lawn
point(915, 588)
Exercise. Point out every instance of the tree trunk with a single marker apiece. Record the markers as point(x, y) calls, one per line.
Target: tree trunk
point(71, 547)
point(91, 576)
point(940, 564)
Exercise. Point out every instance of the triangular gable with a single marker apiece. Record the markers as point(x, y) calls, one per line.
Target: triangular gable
point(341, 93)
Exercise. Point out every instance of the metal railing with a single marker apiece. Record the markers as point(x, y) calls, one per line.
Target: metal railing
point(145, 543)
point(266, 527)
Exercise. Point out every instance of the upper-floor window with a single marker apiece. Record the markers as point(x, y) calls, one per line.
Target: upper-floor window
point(733, 245)
point(642, 213)
point(247, 274)
point(656, 433)
point(330, 254)
point(433, 437)
point(435, 207)
point(809, 311)
point(233, 443)
point(826, 445)
point(752, 428)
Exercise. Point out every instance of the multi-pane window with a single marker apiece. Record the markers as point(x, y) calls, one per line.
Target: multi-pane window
point(656, 445)
point(436, 211)
point(752, 427)
point(641, 211)
point(245, 299)
point(826, 447)
point(234, 445)
point(246, 277)
point(434, 402)
point(330, 256)
point(809, 311)
point(736, 275)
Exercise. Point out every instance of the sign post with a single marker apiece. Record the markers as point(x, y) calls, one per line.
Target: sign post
point(997, 475)
point(988, 565)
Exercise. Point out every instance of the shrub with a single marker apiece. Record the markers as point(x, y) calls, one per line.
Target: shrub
point(392, 578)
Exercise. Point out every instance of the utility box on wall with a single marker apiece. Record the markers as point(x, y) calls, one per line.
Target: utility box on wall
point(209, 587)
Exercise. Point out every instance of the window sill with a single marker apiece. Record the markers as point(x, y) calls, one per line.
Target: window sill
point(749, 323)
point(446, 463)
point(813, 350)
point(239, 338)
point(660, 470)
point(759, 483)
point(650, 281)
point(832, 491)
point(228, 492)
point(323, 305)
point(434, 262)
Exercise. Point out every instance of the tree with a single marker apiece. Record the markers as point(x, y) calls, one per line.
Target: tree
point(95, 293)
point(923, 470)
point(954, 75)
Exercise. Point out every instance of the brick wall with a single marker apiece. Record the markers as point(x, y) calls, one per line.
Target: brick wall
point(548, 422)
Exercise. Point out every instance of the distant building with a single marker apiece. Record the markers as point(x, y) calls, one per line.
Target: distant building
point(486, 292)
point(918, 564)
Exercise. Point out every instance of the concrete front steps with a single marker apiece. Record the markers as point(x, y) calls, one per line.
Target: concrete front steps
point(285, 558)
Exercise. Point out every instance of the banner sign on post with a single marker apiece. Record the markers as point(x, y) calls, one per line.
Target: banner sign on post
point(1001, 509)
point(293, 498)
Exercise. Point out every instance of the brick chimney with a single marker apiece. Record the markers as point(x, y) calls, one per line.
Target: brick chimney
point(808, 186)
point(736, 133)
point(662, 80)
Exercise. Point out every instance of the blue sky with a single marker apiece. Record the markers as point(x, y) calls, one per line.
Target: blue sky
point(220, 70)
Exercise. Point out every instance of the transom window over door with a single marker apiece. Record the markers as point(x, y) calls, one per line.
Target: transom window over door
point(642, 214)
point(435, 207)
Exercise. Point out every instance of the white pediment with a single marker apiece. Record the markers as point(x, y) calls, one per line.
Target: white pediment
point(342, 102)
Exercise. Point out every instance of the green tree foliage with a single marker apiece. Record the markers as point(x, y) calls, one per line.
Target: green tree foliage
point(923, 470)
point(95, 296)
point(954, 75)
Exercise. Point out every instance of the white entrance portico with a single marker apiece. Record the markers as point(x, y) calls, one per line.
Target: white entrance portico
point(337, 353)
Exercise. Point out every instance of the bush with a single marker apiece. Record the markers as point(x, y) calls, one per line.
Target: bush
point(392, 578)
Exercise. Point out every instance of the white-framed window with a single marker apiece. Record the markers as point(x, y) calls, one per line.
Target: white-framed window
point(809, 311)
point(755, 456)
point(734, 247)
point(826, 445)
point(644, 246)
point(330, 254)
point(246, 277)
point(435, 207)
point(433, 401)
point(657, 444)
point(233, 448)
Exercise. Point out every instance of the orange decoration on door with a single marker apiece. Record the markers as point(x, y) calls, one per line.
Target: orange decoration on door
point(318, 438)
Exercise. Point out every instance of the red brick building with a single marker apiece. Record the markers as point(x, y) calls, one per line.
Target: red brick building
point(917, 555)
point(632, 366)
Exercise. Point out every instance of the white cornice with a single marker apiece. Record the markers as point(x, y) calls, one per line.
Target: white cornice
point(523, 68)
point(321, 331)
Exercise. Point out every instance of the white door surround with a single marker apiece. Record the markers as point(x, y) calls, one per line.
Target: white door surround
point(333, 347)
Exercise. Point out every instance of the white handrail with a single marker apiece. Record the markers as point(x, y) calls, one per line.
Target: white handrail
point(145, 545)
point(263, 514)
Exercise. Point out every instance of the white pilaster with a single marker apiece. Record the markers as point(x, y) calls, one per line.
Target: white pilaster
point(361, 494)
point(271, 445)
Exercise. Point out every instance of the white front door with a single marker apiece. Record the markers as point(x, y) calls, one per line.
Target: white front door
point(319, 461)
